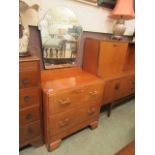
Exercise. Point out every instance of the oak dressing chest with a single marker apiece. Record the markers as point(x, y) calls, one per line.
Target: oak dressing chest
point(71, 101)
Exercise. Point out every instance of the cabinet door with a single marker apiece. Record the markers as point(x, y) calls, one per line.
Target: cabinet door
point(128, 85)
point(112, 91)
point(111, 58)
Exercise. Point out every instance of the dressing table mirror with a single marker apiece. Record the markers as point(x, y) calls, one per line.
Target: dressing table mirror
point(60, 32)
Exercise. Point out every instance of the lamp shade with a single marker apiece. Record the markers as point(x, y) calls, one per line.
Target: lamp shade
point(123, 10)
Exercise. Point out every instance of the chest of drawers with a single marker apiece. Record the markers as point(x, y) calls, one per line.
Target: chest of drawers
point(30, 131)
point(70, 103)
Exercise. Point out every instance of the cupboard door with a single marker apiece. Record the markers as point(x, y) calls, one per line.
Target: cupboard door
point(111, 58)
point(128, 85)
point(112, 91)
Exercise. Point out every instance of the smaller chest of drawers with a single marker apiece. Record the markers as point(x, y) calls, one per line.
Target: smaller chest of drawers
point(70, 104)
point(30, 107)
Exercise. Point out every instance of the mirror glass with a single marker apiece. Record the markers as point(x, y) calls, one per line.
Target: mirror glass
point(60, 31)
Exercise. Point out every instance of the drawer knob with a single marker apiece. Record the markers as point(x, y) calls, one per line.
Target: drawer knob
point(30, 131)
point(116, 86)
point(64, 123)
point(26, 98)
point(25, 81)
point(93, 93)
point(29, 116)
point(65, 101)
point(91, 111)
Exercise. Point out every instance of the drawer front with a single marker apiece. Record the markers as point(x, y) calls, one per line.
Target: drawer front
point(29, 115)
point(88, 112)
point(29, 97)
point(63, 101)
point(62, 122)
point(29, 66)
point(95, 92)
point(28, 79)
point(30, 131)
point(72, 98)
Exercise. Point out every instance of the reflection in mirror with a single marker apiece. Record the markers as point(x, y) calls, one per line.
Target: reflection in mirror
point(60, 31)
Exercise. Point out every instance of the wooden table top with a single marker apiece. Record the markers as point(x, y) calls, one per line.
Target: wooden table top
point(62, 79)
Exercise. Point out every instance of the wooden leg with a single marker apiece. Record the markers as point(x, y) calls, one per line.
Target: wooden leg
point(94, 125)
point(54, 145)
point(109, 110)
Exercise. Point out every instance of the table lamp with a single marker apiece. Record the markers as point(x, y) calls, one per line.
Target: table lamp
point(123, 10)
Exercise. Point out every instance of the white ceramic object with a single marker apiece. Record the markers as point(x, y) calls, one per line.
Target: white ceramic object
point(119, 28)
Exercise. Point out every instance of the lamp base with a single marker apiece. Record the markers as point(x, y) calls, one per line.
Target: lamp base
point(24, 54)
point(116, 37)
point(119, 29)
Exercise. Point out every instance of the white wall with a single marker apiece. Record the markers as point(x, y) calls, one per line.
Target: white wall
point(92, 18)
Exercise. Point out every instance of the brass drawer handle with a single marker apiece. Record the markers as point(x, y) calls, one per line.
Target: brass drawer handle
point(93, 93)
point(91, 111)
point(29, 116)
point(115, 45)
point(26, 98)
point(25, 81)
point(65, 101)
point(64, 123)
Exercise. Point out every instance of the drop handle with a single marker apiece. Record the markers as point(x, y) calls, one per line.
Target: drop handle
point(25, 81)
point(65, 101)
point(91, 111)
point(64, 123)
point(93, 93)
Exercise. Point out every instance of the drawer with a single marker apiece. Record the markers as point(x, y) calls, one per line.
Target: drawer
point(88, 112)
point(29, 97)
point(28, 115)
point(94, 92)
point(29, 66)
point(28, 79)
point(30, 131)
point(60, 102)
point(64, 121)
